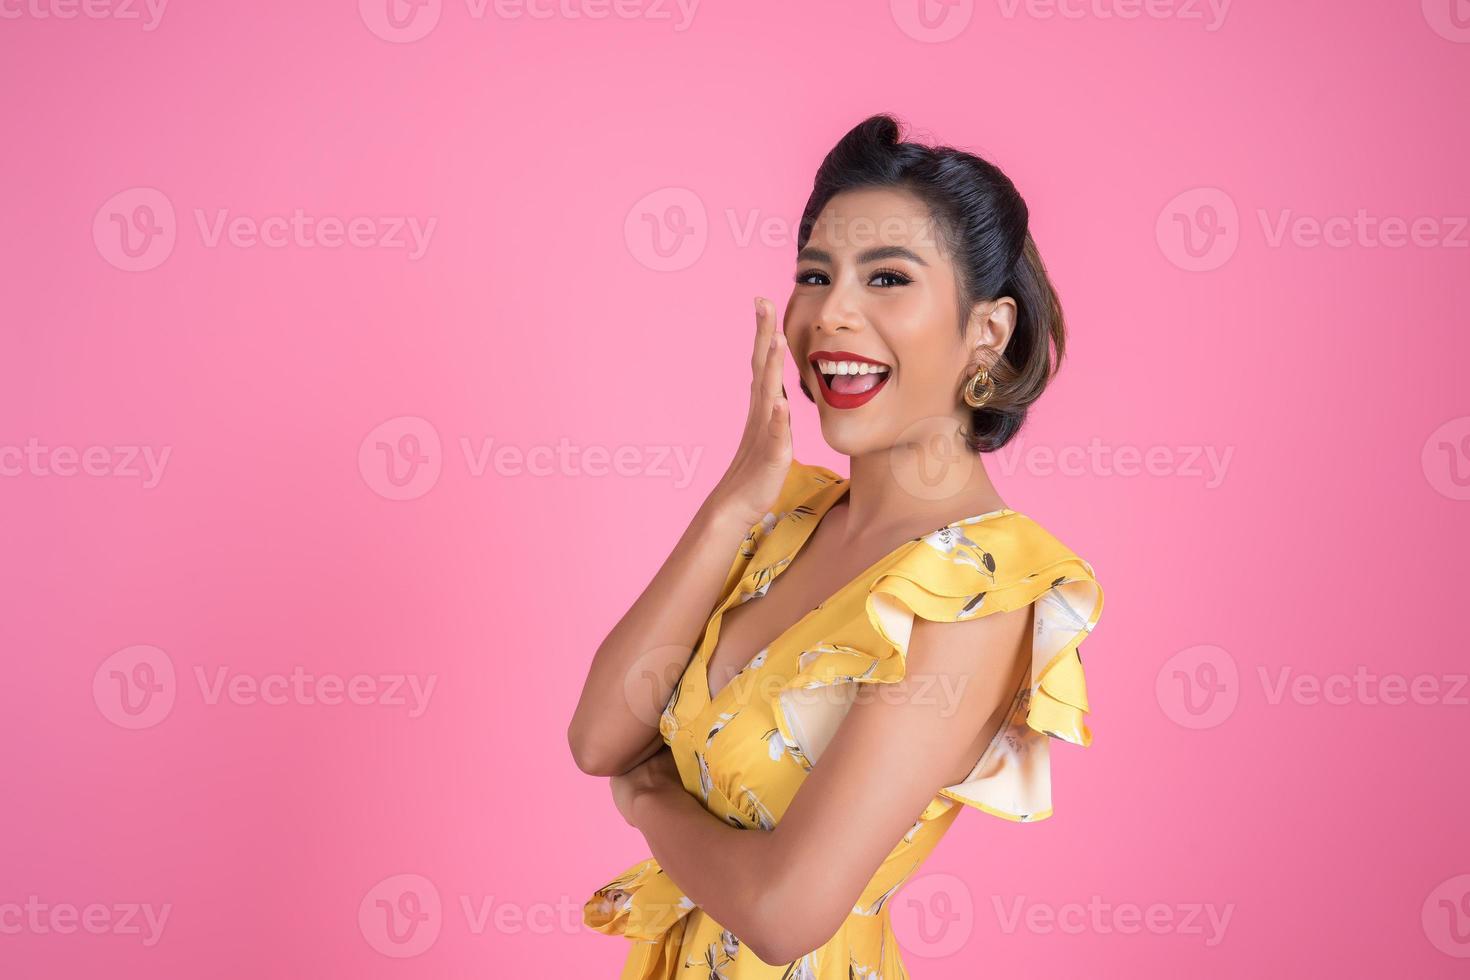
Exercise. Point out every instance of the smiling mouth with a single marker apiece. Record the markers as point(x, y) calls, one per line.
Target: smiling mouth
point(849, 381)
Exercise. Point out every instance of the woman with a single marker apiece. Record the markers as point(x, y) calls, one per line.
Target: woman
point(923, 640)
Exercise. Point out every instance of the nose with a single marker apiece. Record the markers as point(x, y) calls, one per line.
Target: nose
point(836, 312)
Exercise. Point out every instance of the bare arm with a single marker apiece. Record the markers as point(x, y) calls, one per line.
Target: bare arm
point(615, 725)
point(786, 891)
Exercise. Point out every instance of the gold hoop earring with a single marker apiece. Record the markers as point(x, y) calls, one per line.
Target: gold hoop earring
point(980, 389)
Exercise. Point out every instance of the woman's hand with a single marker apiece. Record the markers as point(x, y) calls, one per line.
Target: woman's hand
point(754, 478)
point(657, 772)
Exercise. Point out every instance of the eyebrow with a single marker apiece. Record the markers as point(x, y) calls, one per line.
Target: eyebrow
point(810, 254)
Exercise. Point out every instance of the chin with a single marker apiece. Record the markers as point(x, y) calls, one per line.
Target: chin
point(851, 440)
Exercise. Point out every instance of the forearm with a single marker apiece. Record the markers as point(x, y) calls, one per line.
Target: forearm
point(724, 870)
point(636, 666)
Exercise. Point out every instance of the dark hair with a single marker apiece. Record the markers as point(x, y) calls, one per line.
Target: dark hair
point(981, 221)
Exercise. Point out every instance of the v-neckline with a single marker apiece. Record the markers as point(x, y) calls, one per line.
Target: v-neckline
point(821, 505)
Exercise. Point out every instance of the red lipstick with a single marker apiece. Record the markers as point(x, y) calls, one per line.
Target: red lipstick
point(838, 399)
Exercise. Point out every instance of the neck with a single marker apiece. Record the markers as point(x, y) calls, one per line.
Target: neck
point(913, 488)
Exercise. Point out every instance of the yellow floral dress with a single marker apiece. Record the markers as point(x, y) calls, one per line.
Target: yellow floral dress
point(746, 752)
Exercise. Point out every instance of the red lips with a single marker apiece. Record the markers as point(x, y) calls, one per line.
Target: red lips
point(839, 399)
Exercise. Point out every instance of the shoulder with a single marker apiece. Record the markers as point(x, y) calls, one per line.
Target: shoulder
point(994, 562)
point(982, 569)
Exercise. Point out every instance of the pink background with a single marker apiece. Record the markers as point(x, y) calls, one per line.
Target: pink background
point(542, 311)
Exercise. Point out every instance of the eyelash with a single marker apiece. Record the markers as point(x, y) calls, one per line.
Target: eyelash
point(903, 280)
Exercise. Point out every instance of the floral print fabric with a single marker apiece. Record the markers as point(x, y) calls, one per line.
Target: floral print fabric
point(745, 752)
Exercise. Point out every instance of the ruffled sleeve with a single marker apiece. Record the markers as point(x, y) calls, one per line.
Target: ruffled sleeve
point(641, 903)
point(992, 563)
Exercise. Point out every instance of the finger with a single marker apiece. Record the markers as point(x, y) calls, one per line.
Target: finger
point(775, 364)
point(764, 385)
point(762, 338)
point(780, 424)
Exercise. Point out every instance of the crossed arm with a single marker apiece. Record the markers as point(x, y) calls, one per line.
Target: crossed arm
point(787, 891)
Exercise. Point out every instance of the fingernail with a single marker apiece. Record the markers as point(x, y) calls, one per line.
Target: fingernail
point(758, 304)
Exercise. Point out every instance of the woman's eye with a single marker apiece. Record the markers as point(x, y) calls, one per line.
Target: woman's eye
point(895, 278)
point(885, 278)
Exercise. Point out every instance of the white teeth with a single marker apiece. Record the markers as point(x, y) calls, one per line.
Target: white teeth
point(850, 367)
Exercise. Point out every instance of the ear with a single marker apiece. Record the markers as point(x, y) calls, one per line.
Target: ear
point(991, 324)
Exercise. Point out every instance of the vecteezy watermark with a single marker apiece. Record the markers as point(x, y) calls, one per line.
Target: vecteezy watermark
point(1363, 686)
point(137, 687)
point(1363, 230)
point(931, 462)
point(406, 21)
point(1448, 19)
point(38, 918)
point(149, 13)
point(1446, 458)
point(1186, 462)
point(933, 915)
point(1199, 229)
point(402, 458)
point(34, 459)
point(565, 459)
point(301, 687)
point(1446, 916)
point(1098, 917)
point(651, 678)
point(136, 230)
point(403, 915)
point(934, 21)
point(1210, 13)
point(667, 230)
point(1199, 687)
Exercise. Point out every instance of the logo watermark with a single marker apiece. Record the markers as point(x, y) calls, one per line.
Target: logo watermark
point(667, 230)
point(1199, 229)
point(1199, 687)
point(936, 21)
point(1204, 920)
point(137, 687)
point(1446, 459)
point(147, 13)
point(1448, 18)
point(1208, 13)
point(1363, 686)
point(403, 915)
point(136, 230)
point(406, 21)
point(931, 462)
point(39, 918)
point(402, 459)
point(1446, 916)
point(1204, 463)
point(34, 459)
point(933, 915)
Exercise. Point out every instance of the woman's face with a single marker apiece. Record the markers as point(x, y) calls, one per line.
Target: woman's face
point(874, 283)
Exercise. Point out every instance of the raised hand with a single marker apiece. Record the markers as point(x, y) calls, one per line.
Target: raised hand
point(755, 476)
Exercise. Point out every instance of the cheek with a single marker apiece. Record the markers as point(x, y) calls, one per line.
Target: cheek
point(929, 361)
